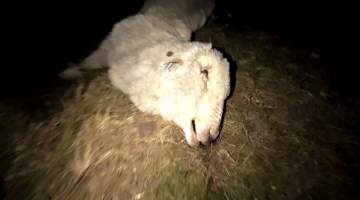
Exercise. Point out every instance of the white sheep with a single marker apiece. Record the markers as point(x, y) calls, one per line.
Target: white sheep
point(151, 59)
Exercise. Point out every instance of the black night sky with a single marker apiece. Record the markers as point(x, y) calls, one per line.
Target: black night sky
point(44, 37)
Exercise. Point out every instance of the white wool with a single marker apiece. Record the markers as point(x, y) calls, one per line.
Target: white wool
point(152, 60)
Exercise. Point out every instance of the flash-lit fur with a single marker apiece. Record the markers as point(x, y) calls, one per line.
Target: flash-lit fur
point(151, 59)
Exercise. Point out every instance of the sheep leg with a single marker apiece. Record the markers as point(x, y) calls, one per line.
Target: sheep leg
point(96, 60)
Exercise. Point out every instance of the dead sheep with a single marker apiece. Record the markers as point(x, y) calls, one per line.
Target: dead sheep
point(151, 59)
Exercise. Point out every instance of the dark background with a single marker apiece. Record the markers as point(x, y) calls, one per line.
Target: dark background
point(40, 39)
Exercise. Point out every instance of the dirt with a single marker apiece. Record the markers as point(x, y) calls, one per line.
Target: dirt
point(285, 135)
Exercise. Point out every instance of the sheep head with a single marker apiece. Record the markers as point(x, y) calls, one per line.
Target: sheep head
point(198, 83)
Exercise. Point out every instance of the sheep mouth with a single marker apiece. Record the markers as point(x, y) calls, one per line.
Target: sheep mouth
point(205, 141)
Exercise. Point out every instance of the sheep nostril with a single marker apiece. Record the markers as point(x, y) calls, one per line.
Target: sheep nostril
point(193, 125)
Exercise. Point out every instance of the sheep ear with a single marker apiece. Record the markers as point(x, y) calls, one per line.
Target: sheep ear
point(171, 64)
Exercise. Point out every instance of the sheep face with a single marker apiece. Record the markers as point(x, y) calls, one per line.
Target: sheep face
point(198, 83)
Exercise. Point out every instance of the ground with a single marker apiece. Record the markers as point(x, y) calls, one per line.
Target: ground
point(285, 135)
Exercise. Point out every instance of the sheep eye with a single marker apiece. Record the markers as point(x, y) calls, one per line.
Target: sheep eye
point(169, 53)
point(205, 72)
point(169, 65)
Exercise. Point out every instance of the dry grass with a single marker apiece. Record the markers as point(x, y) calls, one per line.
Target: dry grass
point(279, 140)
